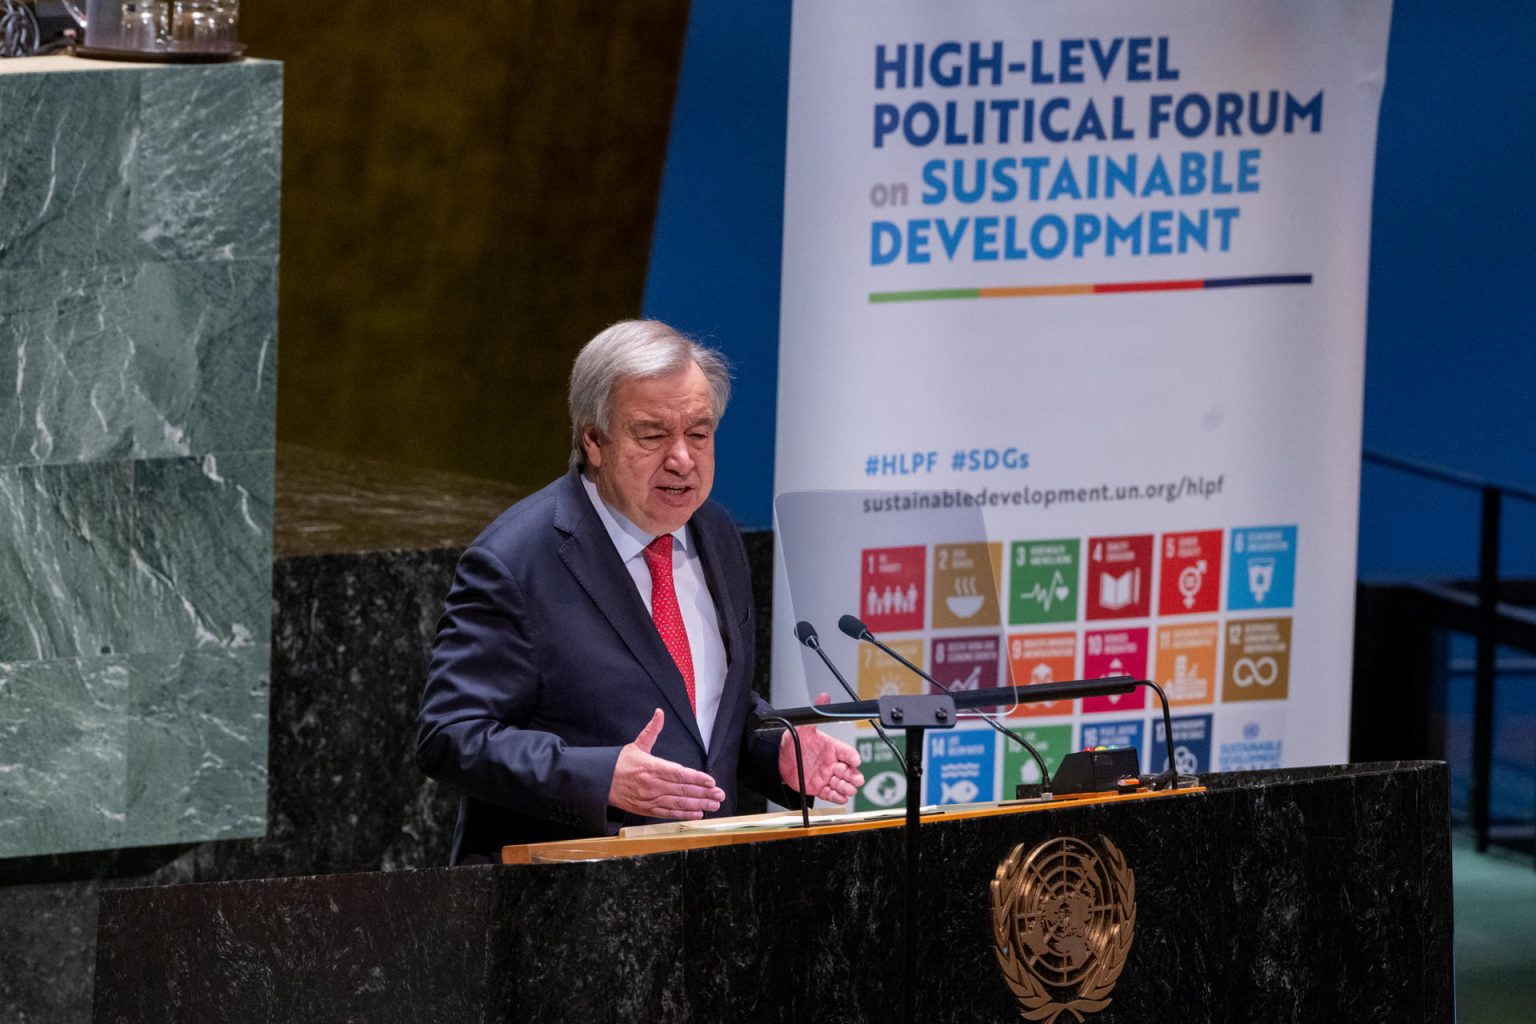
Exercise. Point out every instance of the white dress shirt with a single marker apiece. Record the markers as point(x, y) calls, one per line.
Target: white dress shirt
point(693, 598)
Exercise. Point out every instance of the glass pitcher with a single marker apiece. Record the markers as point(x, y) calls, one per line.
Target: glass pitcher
point(167, 30)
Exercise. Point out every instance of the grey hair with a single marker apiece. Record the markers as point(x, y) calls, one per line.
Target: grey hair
point(629, 350)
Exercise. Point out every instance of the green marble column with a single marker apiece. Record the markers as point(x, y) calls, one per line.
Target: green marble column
point(138, 361)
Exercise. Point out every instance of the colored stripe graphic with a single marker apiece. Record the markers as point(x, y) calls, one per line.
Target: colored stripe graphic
point(1036, 291)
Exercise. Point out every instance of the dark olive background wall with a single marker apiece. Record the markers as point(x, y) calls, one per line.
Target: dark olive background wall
point(468, 195)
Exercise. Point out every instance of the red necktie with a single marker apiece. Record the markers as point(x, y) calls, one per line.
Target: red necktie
point(664, 609)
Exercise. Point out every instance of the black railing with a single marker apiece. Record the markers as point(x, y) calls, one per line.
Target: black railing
point(1488, 621)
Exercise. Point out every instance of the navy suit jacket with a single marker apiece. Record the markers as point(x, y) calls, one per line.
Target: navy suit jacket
point(547, 662)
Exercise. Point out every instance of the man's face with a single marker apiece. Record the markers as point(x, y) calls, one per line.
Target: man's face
point(659, 464)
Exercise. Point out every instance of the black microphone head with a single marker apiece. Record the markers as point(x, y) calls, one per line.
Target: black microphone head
point(805, 633)
point(851, 625)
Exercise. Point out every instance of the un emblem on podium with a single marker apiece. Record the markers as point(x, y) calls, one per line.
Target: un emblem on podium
point(1063, 917)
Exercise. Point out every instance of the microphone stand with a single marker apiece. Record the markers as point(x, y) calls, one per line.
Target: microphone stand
point(1170, 775)
point(805, 798)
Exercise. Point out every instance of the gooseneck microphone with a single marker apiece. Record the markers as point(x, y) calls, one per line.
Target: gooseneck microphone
point(856, 629)
point(806, 634)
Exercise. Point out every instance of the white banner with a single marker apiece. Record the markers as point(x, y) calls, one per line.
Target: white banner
point(1096, 269)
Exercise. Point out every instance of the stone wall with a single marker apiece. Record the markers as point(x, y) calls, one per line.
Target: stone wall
point(138, 295)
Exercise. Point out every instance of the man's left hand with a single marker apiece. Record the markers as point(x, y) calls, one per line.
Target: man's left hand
point(831, 766)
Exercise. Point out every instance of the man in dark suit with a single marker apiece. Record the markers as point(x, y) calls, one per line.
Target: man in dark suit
point(593, 665)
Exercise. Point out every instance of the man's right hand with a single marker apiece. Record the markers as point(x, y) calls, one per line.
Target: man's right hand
point(656, 788)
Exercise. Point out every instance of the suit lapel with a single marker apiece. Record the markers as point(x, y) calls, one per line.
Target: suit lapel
point(588, 553)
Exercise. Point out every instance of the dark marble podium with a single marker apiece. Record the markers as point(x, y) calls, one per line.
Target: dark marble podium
point(1319, 894)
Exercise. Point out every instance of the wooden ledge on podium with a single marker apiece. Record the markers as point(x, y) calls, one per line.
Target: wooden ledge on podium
point(668, 837)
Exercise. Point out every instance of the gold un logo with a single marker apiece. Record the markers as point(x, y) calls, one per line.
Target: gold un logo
point(1063, 917)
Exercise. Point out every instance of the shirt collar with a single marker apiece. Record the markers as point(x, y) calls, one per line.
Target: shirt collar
point(627, 538)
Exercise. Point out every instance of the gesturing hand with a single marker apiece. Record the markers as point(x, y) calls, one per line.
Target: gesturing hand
point(649, 785)
point(831, 766)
